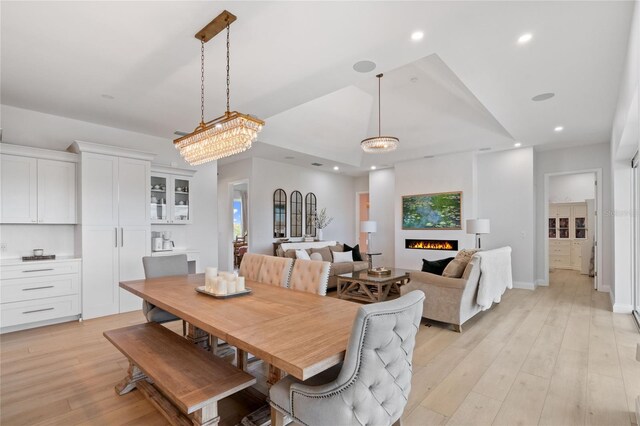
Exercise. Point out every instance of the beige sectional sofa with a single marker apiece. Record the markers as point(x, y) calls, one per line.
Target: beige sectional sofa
point(336, 268)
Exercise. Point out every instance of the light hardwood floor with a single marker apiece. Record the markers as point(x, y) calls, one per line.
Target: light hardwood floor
point(553, 356)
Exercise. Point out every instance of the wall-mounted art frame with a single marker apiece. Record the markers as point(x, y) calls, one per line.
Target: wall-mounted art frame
point(279, 213)
point(296, 215)
point(310, 210)
point(438, 211)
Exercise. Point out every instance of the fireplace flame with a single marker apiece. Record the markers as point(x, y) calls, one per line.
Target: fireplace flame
point(431, 244)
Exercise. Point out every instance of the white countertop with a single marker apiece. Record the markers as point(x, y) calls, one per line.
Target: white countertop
point(19, 261)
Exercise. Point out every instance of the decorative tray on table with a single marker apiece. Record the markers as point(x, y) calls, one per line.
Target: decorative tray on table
point(379, 272)
point(223, 296)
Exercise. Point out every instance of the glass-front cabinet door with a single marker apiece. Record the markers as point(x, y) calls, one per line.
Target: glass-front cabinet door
point(181, 199)
point(159, 196)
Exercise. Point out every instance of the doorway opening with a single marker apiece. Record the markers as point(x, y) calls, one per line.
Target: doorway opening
point(572, 227)
point(240, 222)
point(636, 236)
point(362, 215)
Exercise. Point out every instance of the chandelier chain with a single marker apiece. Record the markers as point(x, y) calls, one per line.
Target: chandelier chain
point(379, 107)
point(228, 77)
point(202, 81)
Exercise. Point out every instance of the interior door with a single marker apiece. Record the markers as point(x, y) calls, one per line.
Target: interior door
point(134, 244)
point(100, 295)
point(19, 188)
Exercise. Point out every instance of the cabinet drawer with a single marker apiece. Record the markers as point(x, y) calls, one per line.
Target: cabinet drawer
point(39, 269)
point(39, 310)
point(33, 288)
point(560, 251)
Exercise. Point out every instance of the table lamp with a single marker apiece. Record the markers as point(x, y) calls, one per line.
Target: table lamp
point(370, 227)
point(478, 227)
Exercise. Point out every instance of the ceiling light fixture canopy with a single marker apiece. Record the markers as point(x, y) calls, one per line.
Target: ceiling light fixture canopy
point(379, 143)
point(231, 133)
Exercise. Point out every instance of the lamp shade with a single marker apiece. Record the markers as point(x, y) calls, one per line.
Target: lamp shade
point(478, 226)
point(368, 226)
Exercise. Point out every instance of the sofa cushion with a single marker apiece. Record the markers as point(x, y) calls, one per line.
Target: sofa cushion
point(291, 254)
point(325, 252)
point(435, 266)
point(357, 257)
point(315, 256)
point(456, 267)
point(341, 268)
point(337, 247)
point(302, 254)
point(342, 256)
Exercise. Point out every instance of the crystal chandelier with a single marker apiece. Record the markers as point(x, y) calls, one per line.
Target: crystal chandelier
point(229, 134)
point(379, 143)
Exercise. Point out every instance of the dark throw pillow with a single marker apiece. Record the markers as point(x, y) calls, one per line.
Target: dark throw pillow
point(435, 266)
point(357, 257)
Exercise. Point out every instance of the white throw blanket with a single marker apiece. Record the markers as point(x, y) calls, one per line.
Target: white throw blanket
point(495, 276)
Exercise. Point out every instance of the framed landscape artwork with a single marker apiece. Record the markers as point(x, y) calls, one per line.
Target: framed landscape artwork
point(432, 211)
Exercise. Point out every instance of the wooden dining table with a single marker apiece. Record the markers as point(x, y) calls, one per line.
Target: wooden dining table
point(295, 332)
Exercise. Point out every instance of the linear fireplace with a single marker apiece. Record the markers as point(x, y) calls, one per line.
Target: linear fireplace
point(424, 244)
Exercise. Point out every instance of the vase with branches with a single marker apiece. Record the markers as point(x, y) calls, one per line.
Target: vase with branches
point(321, 221)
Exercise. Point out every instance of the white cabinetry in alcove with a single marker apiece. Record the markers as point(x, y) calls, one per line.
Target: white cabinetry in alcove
point(171, 197)
point(37, 185)
point(115, 231)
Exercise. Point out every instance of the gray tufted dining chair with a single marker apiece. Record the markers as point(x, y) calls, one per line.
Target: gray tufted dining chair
point(372, 386)
point(162, 266)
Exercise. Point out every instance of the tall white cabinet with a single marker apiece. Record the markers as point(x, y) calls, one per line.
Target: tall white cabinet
point(115, 225)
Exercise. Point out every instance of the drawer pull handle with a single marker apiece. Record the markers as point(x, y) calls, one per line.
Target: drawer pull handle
point(38, 310)
point(38, 270)
point(37, 288)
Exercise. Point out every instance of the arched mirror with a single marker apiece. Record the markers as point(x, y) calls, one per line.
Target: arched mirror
point(279, 214)
point(296, 214)
point(310, 207)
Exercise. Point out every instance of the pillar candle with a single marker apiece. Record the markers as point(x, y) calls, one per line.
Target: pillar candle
point(231, 286)
point(222, 286)
point(240, 284)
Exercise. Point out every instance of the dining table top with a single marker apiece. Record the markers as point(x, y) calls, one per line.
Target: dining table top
point(300, 333)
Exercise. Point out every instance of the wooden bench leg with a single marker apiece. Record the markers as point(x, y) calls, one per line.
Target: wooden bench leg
point(275, 375)
point(241, 360)
point(277, 418)
point(134, 375)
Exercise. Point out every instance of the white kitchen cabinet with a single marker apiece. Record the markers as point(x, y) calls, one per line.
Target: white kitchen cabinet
point(116, 232)
point(568, 232)
point(19, 186)
point(170, 195)
point(56, 191)
point(38, 293)
point(37, 185)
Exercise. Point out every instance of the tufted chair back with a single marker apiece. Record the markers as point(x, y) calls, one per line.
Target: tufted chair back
point(373, 385)
point(311, 276)
point(275, 271)
point(250, 266)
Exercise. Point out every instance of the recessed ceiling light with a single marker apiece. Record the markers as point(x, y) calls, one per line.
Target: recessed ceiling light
point(373, 167)
point(485, 149)
point(218, 126)
point(543, 97)
point(525, 38)
point(517, 144)
point(417, 35)
point(104, 95)
point(364, 66)
point(336, 168)
point(558, 129)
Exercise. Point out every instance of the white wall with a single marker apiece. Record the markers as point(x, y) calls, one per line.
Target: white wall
point(31, 128)
point(506, 197)
point(382, 211)
point(22, 239)
point(425, 176)
point(574, 160)
point(625, 141)
point(574, 188)
point(334, 191)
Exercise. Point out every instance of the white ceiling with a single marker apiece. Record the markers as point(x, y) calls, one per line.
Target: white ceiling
point(292, 65)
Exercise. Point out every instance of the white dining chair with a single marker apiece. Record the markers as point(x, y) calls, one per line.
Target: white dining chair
point(311, 276)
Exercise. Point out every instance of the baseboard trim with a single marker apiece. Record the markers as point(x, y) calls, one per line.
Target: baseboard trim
point(542, 282)
point(524, 285)
point(620, 308)
point(20, 327)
